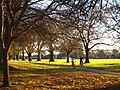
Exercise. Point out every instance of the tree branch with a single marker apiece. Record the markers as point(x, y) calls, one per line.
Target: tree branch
point(99, 44)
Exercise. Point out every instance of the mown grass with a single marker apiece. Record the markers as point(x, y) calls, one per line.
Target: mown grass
point(57, 76)
point(105, 64)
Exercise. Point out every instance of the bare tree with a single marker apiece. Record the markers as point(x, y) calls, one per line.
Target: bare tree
point(69, 45)
point(86, 30)
point(52, 39)
point(88, 33)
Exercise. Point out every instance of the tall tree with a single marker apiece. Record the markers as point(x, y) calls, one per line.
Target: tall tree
point(51, 43)
point(0, 31)
point(88, 34)
point(40, 36)
point(51, 33)
point(86, 29)
point(69, 45)
point(30, 46)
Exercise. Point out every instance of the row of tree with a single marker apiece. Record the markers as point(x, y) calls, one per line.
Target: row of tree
point(33, 42)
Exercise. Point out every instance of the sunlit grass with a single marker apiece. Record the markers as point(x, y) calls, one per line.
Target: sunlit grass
point(43, 64)
point(105, 64)
point(29, 65)
point(57, 62)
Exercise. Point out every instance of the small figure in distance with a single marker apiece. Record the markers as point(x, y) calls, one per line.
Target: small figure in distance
point(73, 62)
point(81, 61)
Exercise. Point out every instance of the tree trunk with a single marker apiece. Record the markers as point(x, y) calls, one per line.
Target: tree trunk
point(87, 56)
point(0, 65)
point(0, 59)
point(39, 56)
point(39, 52)
point(9, 57)
point(68, 57)
point(51, 58)
point(6, 79)
point(13, 57)
point(23, 57)
point(0, 32)
point(29, 57)
point(17, 57)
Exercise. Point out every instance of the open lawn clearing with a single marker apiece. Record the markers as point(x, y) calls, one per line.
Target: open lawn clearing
point(32, 76)
point(104, 64)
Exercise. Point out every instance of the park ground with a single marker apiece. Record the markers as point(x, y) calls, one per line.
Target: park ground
point(59, 75)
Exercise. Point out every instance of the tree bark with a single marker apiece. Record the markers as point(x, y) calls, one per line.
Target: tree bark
point(68, 57)
point(17, 57)
point(6, 79)
point(87, 56)
point(0, 32)
point(29, 57)
point(1, 56)
point(39, 52)
point(13, 57)
point(23, 57)
point(9, 57)
point(51, 58)
point(39, 56)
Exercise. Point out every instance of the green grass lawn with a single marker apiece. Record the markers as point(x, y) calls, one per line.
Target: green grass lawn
point(104, 64)
point(49, 75)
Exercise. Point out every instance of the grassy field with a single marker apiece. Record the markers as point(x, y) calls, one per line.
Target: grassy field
point(57, 76)
point(103, 64)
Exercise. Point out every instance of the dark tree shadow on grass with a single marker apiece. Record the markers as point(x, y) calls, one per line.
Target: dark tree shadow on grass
point(114, 87)
point(52, 64)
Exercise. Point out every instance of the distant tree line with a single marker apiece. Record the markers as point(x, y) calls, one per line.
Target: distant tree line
point(105, 54)
point(95, 54)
